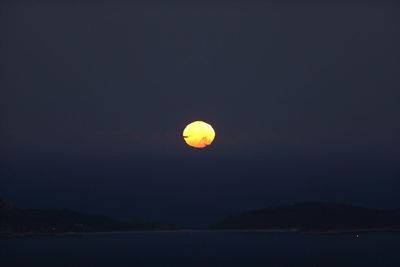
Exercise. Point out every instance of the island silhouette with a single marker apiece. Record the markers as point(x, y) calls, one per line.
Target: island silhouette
point(46, 221)
point(300, 217)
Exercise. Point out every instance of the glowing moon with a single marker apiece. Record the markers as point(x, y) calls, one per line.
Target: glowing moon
point(198, 134)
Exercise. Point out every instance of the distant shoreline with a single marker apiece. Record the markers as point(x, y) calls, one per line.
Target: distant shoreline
point(255, 231)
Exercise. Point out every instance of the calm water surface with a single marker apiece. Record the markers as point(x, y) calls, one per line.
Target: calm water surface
point(203, 249)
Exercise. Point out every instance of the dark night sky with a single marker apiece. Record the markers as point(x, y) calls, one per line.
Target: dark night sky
point(304, 99)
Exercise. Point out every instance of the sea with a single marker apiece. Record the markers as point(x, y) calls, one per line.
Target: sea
point(202, 249)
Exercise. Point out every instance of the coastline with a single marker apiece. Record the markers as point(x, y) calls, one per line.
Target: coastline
point(190, 231)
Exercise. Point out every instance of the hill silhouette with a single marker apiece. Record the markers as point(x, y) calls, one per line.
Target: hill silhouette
point(15, 220)
point(314, 216)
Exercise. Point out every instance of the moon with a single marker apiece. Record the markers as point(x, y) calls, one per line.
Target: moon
point(198, 134)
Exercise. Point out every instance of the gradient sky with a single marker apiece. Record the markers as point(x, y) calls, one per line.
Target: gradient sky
point(304, 98)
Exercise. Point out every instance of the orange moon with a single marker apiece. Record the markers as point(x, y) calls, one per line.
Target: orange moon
point(198, 134)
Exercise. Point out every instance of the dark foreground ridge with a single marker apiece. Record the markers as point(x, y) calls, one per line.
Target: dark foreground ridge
point(314, 217)
point(37, 221)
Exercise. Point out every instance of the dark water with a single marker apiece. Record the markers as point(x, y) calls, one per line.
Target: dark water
point(203, 249)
